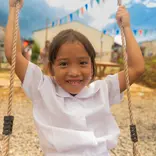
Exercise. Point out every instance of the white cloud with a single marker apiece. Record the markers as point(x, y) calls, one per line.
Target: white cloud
point(138, 1)
point(75, 4)
point(151, 4)
point(67, 4)
point(147, 3)
point(100, 13)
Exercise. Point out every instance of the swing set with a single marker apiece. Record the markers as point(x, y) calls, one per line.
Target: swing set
point(9, 118)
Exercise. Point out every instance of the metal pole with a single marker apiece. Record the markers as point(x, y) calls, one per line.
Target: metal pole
point(46, 33)
point(101, 49)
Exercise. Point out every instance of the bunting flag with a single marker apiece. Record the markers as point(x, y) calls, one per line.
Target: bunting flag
point(98, 1)
point(135, 32)
point(145, 32)
point(77, 13)
point(112, 32)
point(86, 6)
point(117, 32)
point(71, 17)
point(53, 24)
point(139, 32)
point(61, 21)
point(91, 3)
point(82, 10)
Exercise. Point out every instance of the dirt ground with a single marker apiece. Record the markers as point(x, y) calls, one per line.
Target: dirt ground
point(24, 140)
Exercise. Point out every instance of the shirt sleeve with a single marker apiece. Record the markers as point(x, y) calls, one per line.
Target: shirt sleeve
point(114, 94)
point(32, 80)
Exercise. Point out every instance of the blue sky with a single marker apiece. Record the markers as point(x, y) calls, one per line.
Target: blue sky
point(34, 13)
point(99, 12)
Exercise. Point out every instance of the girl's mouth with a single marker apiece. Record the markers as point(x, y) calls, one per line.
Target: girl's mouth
point(74, 82)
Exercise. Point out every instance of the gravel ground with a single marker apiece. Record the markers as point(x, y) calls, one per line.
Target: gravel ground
point(24, 140)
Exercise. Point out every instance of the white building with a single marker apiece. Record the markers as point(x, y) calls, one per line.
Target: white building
point(150, 48)
point(96, 37)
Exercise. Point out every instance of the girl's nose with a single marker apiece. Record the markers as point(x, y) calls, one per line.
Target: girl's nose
point(74, 71)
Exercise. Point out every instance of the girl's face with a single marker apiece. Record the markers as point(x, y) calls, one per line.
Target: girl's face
point(72, 67)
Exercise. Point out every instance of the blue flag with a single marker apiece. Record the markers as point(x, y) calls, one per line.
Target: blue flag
point(86, 6)
point(71, 17)
point(91, 2)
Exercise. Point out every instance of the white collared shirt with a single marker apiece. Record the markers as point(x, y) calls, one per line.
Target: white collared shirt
point(73, 126)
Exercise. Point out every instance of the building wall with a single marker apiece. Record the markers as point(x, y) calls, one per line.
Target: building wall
point(150, 48)
point(2, 55)
point(92, 34)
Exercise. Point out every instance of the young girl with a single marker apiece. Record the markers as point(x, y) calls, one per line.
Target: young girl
point(71, 114)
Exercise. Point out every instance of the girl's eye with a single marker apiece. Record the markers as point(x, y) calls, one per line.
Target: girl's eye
point(83, 63)
point(63, 64)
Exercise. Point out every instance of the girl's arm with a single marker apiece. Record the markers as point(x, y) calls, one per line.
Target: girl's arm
point(21, 62)
point(134, 55)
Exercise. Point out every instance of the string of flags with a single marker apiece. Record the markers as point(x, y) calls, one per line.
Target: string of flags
point(136, 32)
point(78, 13)
point(112, 32)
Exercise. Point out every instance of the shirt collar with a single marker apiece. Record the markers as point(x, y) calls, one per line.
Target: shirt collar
point(86, 92)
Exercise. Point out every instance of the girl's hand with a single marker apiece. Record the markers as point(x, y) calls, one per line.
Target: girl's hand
point(122, 17)
point(13, 2)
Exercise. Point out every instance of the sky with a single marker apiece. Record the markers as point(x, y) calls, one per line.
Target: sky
point(33, 18)
point(105, 10)
point(109, 8)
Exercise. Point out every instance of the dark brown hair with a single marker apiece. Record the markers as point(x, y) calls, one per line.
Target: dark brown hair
point(70, 36)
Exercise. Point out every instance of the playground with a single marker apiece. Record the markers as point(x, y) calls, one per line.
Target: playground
point(122, 44)
point(25, 142)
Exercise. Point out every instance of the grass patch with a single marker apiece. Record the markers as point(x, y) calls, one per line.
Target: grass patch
point(149, 76)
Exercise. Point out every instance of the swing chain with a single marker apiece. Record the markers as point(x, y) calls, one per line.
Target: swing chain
point(133, 130)
point(8, 120)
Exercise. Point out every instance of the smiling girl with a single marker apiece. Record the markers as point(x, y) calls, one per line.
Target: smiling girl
point(71, 111)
